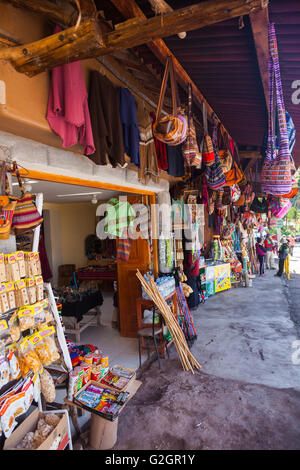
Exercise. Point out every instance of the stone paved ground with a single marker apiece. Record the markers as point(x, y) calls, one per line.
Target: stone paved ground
point(247, 395)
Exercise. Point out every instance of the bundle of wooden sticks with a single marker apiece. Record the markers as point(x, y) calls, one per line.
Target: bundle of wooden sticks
point(186, 358)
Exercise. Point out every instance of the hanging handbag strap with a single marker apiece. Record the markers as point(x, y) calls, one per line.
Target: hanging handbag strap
point(204, 115)
point(169, 70)
point(15, 170)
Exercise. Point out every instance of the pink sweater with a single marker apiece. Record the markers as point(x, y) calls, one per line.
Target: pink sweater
point(68, 112)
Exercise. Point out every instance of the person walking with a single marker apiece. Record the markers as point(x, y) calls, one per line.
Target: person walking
point(269, 246)
point(283, 253)
point(291, 240)
point(261, 254)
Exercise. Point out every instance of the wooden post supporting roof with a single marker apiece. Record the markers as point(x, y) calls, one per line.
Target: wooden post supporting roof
point(259, 23)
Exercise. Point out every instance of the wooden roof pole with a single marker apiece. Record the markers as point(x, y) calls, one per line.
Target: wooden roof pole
point(259, 23)
point(129, 9)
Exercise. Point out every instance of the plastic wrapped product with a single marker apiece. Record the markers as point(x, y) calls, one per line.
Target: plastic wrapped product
point(47, 386)
point(12, 407)
point(26, 318)
point(39, 315)
point(28, 358)
point(3, 298)
point(31, 289)
point(2, 269)
point(10, 292)
point(4, 371)
point(47, 335)
point(12, 268)
point(39, 286)
point(14, 366)
point(20, 259)
point(21, 294)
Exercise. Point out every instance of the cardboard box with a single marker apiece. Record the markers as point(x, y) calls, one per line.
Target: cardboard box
point(57, 439)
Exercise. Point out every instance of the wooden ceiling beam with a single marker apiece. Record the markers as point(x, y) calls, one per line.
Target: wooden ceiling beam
point(86, 40)
point(260, 23)
point(129, 9)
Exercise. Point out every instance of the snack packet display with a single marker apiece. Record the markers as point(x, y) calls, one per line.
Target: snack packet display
point(14, 329)
point(39, 315)
point(38, 267)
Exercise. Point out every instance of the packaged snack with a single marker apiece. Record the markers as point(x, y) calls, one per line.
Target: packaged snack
point(20, 259)
point(28, 356)
point(10, 292)
point(12, 268)
point(95, 374)
point(3, 298)
point(47, 335)
point(21, 293)
point(12, 407)
point(47, 311)
point(47, 386)
point(88, 358)
point(38, 266)
point(39, 315)
point(4, 333)
point(14, 329)
point(39, 286)
point(31, 265)
point(26, 317)
point(14, 366)
point(2, 269)
point(43, 351)
point(104, 361)
point(31, 289)
point(4, 372)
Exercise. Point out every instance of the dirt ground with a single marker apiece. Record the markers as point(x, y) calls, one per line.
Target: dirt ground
point(175, 410)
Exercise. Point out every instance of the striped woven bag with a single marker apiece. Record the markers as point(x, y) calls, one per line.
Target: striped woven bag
point(276, 176)
point(26, 216)
point(190, 148)
point(208, 154)
point(214, 173)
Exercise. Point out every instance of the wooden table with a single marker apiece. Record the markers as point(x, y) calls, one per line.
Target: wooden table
point(103, 432)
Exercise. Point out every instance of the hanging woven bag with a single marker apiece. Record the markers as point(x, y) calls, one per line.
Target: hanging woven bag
point(171, 129)
point(26, 216)
point(276, 176)
point(190, 148)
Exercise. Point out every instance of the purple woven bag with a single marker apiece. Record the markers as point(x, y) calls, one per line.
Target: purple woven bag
point(276, 176)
